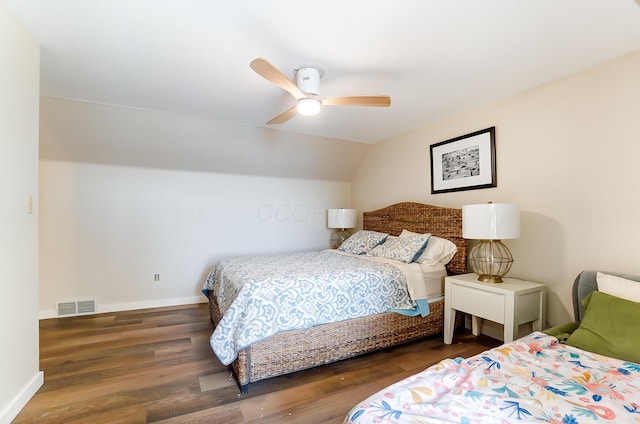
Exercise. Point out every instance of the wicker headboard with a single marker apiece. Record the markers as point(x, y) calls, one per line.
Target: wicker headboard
point(421, 218)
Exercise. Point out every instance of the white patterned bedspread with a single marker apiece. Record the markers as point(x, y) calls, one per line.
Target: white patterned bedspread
point(533, 379)
point(260, 296)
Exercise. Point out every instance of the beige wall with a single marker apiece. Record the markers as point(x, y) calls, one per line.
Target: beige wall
point(121, 201)
point(19, 84)
point(568, 152)
point(105, 230)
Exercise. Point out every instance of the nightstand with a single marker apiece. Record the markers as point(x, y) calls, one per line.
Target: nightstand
point(510, 303)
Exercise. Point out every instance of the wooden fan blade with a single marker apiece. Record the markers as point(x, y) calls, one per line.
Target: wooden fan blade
point(284, 116)
point(373, 101)
point(266, 70)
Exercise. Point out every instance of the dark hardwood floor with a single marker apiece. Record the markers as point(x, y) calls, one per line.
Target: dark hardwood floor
point(156, 366)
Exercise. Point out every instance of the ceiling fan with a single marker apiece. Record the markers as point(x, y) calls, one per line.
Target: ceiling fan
point(306, 91)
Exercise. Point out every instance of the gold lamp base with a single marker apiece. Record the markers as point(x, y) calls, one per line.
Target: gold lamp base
point(490, 278)
point(490, 260)
point(338, 236)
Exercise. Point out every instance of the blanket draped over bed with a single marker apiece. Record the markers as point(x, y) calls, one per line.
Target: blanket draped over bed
point(295, 350)
point(533, 379)
point(260, 296)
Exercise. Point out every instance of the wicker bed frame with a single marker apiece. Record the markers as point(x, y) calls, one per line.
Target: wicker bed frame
point(301, 349)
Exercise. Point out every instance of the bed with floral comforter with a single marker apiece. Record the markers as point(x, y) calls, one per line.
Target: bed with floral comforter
point(533, 379)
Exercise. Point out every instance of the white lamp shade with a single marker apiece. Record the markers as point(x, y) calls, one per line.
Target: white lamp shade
point(491, 221)
point(342, 218)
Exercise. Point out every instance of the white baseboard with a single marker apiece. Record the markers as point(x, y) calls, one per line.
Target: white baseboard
point(130, 306)
point(21, 399)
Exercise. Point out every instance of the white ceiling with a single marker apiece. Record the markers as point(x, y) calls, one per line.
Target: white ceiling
point(433, 57)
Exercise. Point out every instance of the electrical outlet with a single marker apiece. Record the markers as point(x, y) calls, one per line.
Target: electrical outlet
point(156, 277)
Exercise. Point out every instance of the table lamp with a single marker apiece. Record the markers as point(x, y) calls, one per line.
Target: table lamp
point(342, 221)
point(490, 223)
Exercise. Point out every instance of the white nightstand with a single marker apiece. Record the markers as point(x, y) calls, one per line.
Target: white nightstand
point(510, 303)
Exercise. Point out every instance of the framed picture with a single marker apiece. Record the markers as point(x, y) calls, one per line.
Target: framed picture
point(467, 162)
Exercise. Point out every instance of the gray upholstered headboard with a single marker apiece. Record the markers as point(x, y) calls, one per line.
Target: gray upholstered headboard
point(585, 283)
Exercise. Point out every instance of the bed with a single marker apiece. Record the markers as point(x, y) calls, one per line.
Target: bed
point(298, 349)
point(584, 371)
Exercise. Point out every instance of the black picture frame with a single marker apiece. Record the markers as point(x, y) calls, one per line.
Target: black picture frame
point(467, 162)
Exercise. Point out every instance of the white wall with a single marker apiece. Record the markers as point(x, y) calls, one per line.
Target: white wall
point(19, 84)
point(106, 230)
point(567, 152)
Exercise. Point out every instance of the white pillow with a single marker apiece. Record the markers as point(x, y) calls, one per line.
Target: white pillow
point(438, 250)
point(618, 286)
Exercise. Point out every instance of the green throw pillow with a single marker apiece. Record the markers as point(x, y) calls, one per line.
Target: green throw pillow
point(609, 327)
point(562, 332)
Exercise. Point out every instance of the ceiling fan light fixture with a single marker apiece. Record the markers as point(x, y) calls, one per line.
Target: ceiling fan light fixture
point(308, 106)
point(306, 90)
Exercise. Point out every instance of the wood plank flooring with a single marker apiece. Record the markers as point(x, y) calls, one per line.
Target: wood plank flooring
point(156, 366)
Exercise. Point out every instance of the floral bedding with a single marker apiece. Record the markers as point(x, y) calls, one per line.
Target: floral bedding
point(533, 379)
point(260, 296)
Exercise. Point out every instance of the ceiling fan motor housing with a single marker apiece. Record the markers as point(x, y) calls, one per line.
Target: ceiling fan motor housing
point(308, 79)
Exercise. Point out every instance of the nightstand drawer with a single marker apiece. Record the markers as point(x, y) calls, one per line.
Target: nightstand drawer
point(510, 303)
point(527, 307)
point(478, 302)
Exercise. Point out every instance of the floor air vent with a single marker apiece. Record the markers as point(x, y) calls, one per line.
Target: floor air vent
point(66, 308)
point(76, 307)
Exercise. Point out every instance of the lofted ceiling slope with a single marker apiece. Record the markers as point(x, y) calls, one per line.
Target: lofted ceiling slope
point(433, 57)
